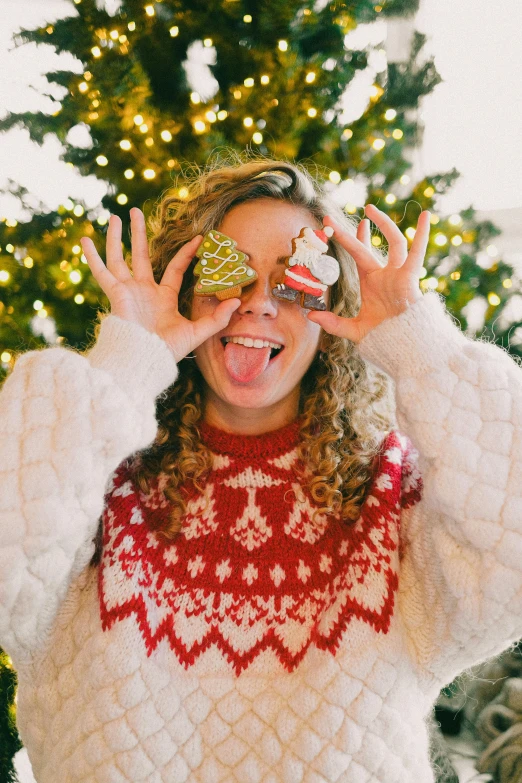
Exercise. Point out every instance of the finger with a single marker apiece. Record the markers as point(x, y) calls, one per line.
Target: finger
point(363, 233)
point(334, 324)
point(178, 265)
point(361, 254)
point(141, 266)
point(417, 253)
point(397, 242)
point(101, 274)
point(209, 325)
point(115, 261)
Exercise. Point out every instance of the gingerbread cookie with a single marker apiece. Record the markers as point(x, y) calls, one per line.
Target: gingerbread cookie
point(222, 270)
point(309, 271)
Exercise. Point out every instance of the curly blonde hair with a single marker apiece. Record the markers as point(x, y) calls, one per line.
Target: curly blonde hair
point(346, 406)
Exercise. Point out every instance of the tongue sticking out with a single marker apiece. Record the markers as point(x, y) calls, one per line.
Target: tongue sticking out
point(244, 364)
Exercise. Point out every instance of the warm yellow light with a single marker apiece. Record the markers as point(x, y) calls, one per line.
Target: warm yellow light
point(434, 219)
point(95, 104)
point(507, 283)
point(335, 177)
point(123, 39)
point(79, 299)
point(247, 18)
point(195, 97)
point(131, 26)
point(455, 275)
point(83, 86)
point(78, 210)
point(237, 94)
point(166, 135)
point(376, 241)
point(138, 119)
point(207, 42)
point(312, 112)
point(397, 133)
point(75, 276)
point(174, 31)
point(125, 144)
point(199, 126)
point(144, 128)
point(171, 163)
point(121, 198)
point(28, 262)
point(390, 198)
point(5, 356)
point(149, 173)
point(404, 179)
point(101, 160)
point(114, 35)
point(149, 142)
point(456, 240)
point(410, 232)
point(375, 91)
point(310, 77)
point(128, 174)
point(248, 122)
point(350, 208)
point(249, 82)
point(42, 313)
point(283, 45)
point(4, 275)
point(440, 239)
point(149, 10)
point(37, 304)
point(221, 115)
point(183, 192)
point(76, 249)
point(265, 79)
point(390, 114)
point(493, 299)
point(257, 138)
point(378, 144)
point(346, 134)
point(9, 247)
point(429, 192)
point(96, 51)
point(87, 76)
point(455, 220)
point(11, 222)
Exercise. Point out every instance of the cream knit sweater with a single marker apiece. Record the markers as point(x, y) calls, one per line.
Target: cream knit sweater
point(435, 581)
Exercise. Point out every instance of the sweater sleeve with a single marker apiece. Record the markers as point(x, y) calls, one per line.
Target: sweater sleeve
point(459, 401)
point(67, 420)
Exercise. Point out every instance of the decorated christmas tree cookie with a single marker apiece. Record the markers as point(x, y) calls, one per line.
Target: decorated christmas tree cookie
point(222, 270)
point(309, 271)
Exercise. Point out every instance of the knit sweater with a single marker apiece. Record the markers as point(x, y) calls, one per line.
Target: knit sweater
point(261, 645)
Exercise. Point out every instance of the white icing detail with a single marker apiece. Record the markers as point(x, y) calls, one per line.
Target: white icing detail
point(306, 280)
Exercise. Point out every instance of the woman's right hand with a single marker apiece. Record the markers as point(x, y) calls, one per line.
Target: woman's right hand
point(137, 297)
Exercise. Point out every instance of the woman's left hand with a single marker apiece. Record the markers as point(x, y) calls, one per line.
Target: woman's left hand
point(385, 290)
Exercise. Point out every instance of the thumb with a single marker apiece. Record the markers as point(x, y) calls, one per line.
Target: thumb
point(208, 325)
point(336, 325)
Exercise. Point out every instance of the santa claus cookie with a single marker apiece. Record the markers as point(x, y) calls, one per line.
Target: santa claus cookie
point(222, 270)
point(309, 271)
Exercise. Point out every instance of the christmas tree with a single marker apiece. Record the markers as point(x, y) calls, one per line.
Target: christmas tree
point(222, 270)
point(132, 115)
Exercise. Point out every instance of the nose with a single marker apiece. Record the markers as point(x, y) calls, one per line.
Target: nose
point(257, 299)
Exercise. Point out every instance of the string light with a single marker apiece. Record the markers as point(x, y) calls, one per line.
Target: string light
point(455, 275)
point(87, 76)
point(144, 128)
point(456, 240)
point(397, 133)
point(149, 142)
point(138, 119)
point(76, 249)
point(257, 138)
point(429, 192)
point(346, 134)
point(265, 79)
point(507, 283)
point(101, 160)
point(123, 39)
point(237, 94)
point(131, 26)
point(174, 31)
point(440, 239)
point(211, 116)
point(390, 114)
point(79, 299)
point(378, 144)
point(195, 97)
point(149, 10)
point(390, 198)
point(42, 313)
point(5, 357)
point(248, 122)
point(376, 241)
point(183, 192)
point(9, 247)
point(199, 126)
point(221, 115)
point(312, 112)
point(283, 45)
point(404, 179)
point(37, 304)
point(410, 232)
point(128, 174)
point(125, 144)
point(4, 275)
point(310, 77)
point(28, 262)
point(247, 18)
point(121, 198)
point(96, 51)
point(351, 209)
point(114, 34)
point(335, 177)
point(249, 82)
point(493, 299)
point(207, 42)
point(166, 135)
point(149, 173)
point(75, 276)
point(83, 86)
point(78, 210)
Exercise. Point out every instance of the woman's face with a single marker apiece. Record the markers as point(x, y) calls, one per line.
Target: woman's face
point(236, 377)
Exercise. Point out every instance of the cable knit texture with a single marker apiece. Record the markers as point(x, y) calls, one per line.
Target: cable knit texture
point(262, 645)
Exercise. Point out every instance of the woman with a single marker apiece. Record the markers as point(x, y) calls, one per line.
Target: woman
point(282, 581)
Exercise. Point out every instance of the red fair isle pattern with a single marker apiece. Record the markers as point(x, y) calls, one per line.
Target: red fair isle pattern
point(250, 569)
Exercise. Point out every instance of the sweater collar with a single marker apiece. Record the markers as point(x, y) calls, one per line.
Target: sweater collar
point(268, 445)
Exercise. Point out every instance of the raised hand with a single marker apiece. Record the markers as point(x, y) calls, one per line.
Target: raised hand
point(137, 297)
point(385, 290)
